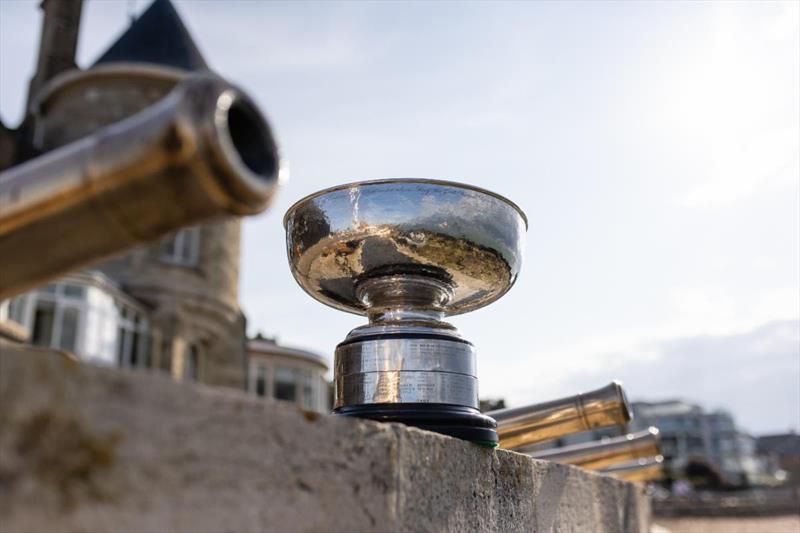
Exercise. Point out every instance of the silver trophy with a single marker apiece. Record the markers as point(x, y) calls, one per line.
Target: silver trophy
point(407, 253)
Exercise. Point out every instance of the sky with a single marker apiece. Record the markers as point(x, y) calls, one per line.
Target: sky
point(655, 148)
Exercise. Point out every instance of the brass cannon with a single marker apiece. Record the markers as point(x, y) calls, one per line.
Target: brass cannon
point(641, 470)
point(203, 151)
point(521, 427)
point(606, 454)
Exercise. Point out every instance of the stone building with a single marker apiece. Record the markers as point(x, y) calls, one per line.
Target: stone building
point(784, 451)
point(707, 447)
point(704, 446)
point(692, 438)
point(288, 374)
point(179, 295)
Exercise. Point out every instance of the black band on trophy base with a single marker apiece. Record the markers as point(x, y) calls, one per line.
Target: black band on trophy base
point(395, 335)
point(463, 423)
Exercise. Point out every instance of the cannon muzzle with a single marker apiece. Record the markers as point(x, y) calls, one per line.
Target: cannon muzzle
point(641, 470)
point(204, 151)
point(603, 454)
point(523, 426)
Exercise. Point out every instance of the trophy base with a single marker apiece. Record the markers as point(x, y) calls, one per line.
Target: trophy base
point(465, 423)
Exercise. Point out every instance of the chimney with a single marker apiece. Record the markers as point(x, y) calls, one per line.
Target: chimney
point(58, 43)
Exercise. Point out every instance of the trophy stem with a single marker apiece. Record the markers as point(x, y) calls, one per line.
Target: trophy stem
point(404, 297)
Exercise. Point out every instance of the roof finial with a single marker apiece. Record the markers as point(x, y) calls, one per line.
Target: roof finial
point(132, 11)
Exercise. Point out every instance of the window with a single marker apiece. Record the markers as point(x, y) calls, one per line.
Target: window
point(56, 315)
point(191, 364)
point(131, 337)
point(87, 320)
point(285, 384)
point(260, 381)
point(16, 309)
point(48, 289)
point(70, 317)
point(135, 359)
point(72, 291)
point(43, 322)
point(182, 248)
point(56, 325)
point(308, 390)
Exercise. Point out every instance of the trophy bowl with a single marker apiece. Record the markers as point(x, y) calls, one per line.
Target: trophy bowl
point(407, 253)
point(468, 239)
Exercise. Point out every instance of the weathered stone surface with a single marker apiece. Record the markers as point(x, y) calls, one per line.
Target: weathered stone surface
point(91, 449)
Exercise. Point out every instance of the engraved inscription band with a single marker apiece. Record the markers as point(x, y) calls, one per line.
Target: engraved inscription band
point(406, 370)
point(407, 387)
point(405, 354)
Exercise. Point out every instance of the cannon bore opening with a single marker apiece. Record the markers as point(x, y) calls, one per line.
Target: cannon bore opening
point(252, 140)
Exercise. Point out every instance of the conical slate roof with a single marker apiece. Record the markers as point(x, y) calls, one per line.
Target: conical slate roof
point(157, 36)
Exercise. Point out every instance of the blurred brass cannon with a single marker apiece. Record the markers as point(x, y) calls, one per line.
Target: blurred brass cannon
point(202, 152)
point(604, 454)
point(641, 470)
point(520, 427)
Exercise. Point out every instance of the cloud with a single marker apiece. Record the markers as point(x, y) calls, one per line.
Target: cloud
point(743, 103)
point(702, 311)
point(755, 375)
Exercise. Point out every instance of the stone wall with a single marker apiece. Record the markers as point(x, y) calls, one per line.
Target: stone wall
point(91, 449)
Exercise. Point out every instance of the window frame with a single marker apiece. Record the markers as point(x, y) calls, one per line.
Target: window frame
point(182, 248)
point(279, 381)
point(21, 304)
point(191, 363)
point(131, 323)
point(55, 295)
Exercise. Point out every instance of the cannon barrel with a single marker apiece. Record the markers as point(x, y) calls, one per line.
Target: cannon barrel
point(520, 427)
point(202, 152)
point(645, 469)
point(603, 454)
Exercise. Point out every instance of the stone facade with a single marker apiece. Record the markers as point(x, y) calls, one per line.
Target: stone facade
point(188, 282)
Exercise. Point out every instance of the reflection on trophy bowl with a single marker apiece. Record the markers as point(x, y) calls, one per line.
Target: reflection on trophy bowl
point(407, 253)
point(467, 240)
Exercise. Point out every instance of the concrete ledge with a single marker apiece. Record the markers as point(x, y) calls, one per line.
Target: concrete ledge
point(91, 449)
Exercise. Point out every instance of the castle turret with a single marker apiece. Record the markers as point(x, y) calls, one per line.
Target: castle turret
point(59, 41)
point(189, 281)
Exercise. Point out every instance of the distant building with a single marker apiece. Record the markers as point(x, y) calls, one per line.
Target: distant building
point(88, 315)
point(695, 443)
point(491, 404)
point(289, 374)
point(784, 450)
point(705, 447)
